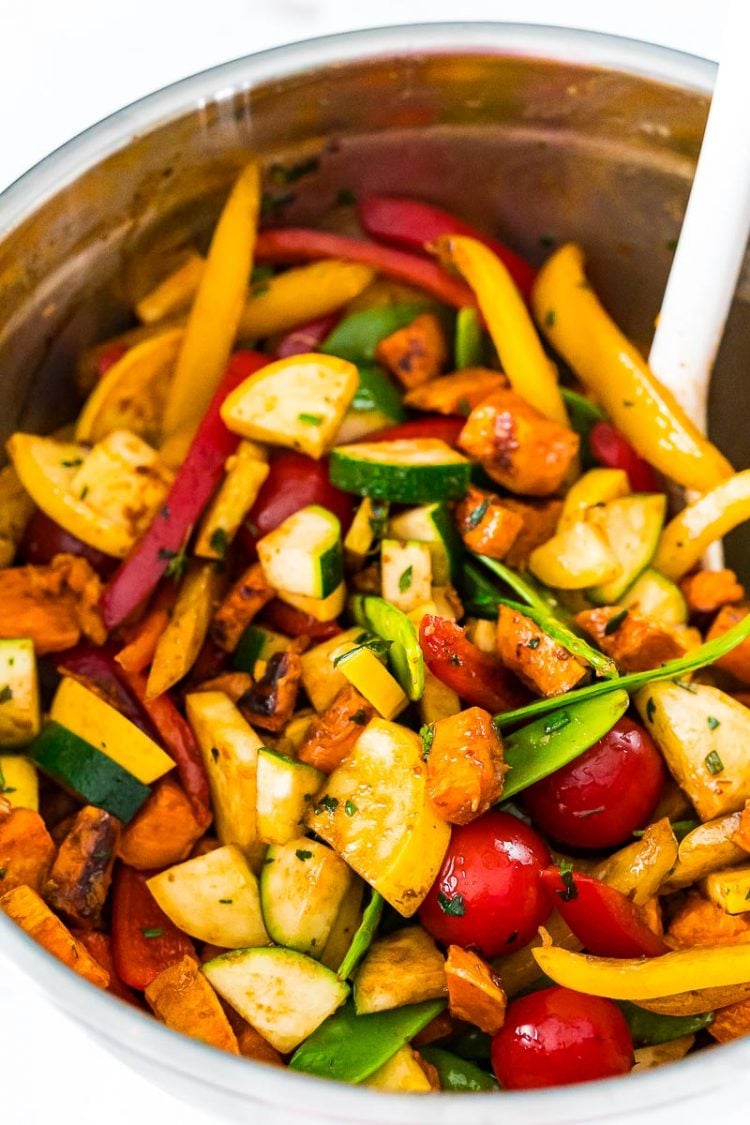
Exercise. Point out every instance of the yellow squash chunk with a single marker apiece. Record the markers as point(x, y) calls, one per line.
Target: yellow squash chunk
point(229, 747)
point(647, 978)
point(405, 967)
point(703, 734)
point(100, 724)
point(214, 898)
point(106, 496)
point(367, 674)
point(575, 558)
point(131, 395)
point(301, 294)
point(183, 637)
point(16, 508)
point(245, 472)
point(402, 1074)
point(215, 314)
point(609, 366)
point(181, 997)
point(729, 889)
point(19, 783)
point(522, 357)
point(597, 486)
point(322, 609)
point(297, 402)
point(394, 837)
point(20, 716)
point(321, 679)
point(174, 293)
point(707, 519)
point(438, 700)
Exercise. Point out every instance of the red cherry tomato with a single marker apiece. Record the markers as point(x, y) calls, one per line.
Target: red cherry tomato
point(478, 677)
point(294, 481)
point(556, 1037)
point(443, 426)
point(599, 799)
point(611, 449)
point(43, 539)
point(487, 894)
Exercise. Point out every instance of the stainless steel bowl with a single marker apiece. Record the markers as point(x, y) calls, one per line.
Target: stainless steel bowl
point(536, 133)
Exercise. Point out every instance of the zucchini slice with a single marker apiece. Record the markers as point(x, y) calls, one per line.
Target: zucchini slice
point(574, 559)
point(286, 788)
point(80, 768)
point(366, 673)
point(303, 554)
point(20, 718)
point(390, 624)
point(397, 842)
point(257, 643)
point(657, 597)
point(433, 524)
point(366, 531)
point(214, 898)
point(282, 993)
point(345, 926)
point(302, 887)
point(297, 402)
point(414, 471)
point(98, 723)
point(632, 526)
point(595, 487)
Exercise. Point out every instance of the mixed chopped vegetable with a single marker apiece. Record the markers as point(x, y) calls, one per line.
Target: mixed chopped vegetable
point(363, 704)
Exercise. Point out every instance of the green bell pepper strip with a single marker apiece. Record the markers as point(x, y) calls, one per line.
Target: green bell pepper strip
point(650, 1028)
point(537, 750)
point(456, 1073)
point(357, 336)
point(673, 670)
point(390, 624)
point(376, 391)
point(469, 340)
point(363, 937)
point(349, 1048)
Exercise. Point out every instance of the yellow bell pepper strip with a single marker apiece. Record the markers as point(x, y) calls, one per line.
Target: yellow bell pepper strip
point(711, 517)
point(636, 978)
point(522, 356)
point(305, 293)
point(215, 314)
point(611, 368)
point(174, 292)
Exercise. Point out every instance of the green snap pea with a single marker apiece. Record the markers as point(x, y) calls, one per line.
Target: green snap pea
point(357, 336)
point(456, 1073)
point(390, 624)
point(650, 1028)
point(583, 415)
point(363, 937)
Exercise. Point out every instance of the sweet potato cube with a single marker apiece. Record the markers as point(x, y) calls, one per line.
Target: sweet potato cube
point(636, 643)
point(708, 590)
point(458, 393)
point(538, 661)
point(475, 993)
point(27, 850)
point(465, 767)
point(246, 598)
point(486, 525)
point(540, 519)
point(731, 1022)
point(82, 872)
point(181, 997)
point(736, 662)
point(331, 736)
point(28, 911)
point(699, 922)
point(414, 354)
point(163, 831)
point(517, 446)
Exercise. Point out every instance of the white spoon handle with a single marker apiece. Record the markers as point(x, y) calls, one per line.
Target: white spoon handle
point(714, 233)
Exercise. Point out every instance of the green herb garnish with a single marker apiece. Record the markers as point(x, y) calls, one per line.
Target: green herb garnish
point(566, 874)
point(350, 808)
point(6, 693)
point(713, 762)
point(427, 734)
point(453, 905)
point(283, 174)
point(406, 579)
point(712, 722)
point(152, 932)
point(303, 854)
point(219, 541)
point(476, 515)
point(310, 419)
point(615, 622)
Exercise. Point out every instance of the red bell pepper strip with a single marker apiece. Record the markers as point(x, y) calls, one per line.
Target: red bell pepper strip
point(179, 742)
point(100, 947)
point(604, 920)
point(411, 225)
point(98, 669)
point(298, 244)
point(109, 357)
point(611, 449)
point(196, 480)
point(294, 623)
point(144, 940)
point(478, 677)
point(443, 426)
point(307, 337)
point(43, 539)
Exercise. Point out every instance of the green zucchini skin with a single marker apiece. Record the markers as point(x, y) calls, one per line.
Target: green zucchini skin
point(400, 471)
point(80, 768)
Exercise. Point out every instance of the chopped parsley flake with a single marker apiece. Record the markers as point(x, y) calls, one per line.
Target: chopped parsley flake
point(534, 642)
point(713, 762)
point(226, 901)
point(550, 318)
point(176, 562)
point(615, 622)
point(283, 174)
point(270, 204)
point(464, 407)
point(152, 932)
point(214, 753)
point(6, 693)
point(650, 709)
point(3, 872)
point(346, 197)
point(330, 804)
point(406, 579)
point(427, 734)
point(350, 808)
point(219, 541)
point(303, 854)
point(310, 419)
point(84, 492)
point(477, 514)
point(359, 717)
point(453, 905)
point(566, 874)
point(73, 463)
point(101, 855)
point(712, 722)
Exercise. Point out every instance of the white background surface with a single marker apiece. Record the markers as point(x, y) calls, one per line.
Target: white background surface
point(64, 64)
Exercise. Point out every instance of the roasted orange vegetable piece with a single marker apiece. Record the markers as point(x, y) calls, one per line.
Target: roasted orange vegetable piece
point(270, 702)
point(700, 922)
point(475, 992)
point(27, 850)
point(538, 661)
point(99, 946)
point(636, 643)
point(731, 1022)
point(416, 353)
point(465, 767)
point(81, 875)
point(486, 525)
point(708, 590)
point(181, 997)
point(52, 605)
point(163, 831)
point(540, 519)
point(251, 1043)
point(458, 393)
point(24, 906)
point(332, 734)
point(737, 662)
point(245, 599)
point(138, 653)
point(517, 446)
